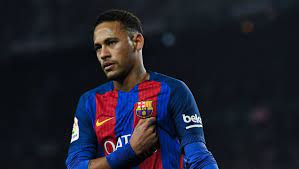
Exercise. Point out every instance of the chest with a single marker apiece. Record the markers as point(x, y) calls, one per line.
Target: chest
point(117, 113)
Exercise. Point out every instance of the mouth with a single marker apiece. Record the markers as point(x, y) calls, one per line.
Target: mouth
point(107, 66)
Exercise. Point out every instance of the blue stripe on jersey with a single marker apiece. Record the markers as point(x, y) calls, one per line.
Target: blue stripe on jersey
point(161, 113)
point(100, 151)
point(170, 150)
point(125, 115)
point(91, 107)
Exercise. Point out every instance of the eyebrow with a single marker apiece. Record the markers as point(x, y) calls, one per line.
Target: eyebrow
point(105, 41)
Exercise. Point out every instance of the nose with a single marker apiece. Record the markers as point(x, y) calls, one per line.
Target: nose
point(104, 52)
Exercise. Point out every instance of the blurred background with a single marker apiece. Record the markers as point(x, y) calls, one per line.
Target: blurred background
point(239, 58)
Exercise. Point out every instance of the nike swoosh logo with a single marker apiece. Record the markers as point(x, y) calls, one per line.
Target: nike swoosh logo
point(102, 122)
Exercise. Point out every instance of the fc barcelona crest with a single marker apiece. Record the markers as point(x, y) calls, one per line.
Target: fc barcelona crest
point(144, 109)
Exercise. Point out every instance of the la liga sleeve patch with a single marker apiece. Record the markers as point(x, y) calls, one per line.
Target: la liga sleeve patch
point(75, 131)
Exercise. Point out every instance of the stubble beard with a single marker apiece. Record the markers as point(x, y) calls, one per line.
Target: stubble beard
point(114, 75)
point(119, 74)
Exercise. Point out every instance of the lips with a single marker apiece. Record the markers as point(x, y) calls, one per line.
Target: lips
point(108, 65)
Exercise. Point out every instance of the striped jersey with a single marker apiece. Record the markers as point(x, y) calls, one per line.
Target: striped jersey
point(105, 119)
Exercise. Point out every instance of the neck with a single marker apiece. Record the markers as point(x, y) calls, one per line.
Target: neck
point(134, 77)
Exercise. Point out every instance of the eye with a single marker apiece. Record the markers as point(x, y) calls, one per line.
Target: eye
point(97, 47)
point(111, 42)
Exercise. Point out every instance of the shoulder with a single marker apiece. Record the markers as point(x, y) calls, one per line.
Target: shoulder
point(101, 89)
point(86, 104)
point(171, 82)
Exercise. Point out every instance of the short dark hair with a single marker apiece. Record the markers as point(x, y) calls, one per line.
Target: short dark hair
point(130, 22)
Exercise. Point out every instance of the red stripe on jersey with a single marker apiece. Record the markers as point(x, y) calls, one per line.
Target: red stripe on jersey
point(182, 161)
point(149, 91)
point(105, 120)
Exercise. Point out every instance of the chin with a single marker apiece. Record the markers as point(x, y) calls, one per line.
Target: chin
point(112, 75)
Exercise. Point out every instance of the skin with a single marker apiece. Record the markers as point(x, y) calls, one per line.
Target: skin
point(120, 55)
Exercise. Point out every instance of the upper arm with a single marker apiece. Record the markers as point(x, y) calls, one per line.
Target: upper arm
point(186, 115)
point(83, 142)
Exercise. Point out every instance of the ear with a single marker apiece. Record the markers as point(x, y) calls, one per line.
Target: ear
point(138, 41)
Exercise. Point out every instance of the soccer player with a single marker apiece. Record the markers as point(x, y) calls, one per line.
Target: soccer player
point(139, 119)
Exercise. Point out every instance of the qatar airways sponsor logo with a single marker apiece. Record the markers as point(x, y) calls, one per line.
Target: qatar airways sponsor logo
point(192, 121)
point(110, 146)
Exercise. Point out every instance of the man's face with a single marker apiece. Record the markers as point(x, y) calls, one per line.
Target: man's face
point(114, 49)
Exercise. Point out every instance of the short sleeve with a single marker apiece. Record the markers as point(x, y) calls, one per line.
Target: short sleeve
point(83, 140)
point(185, 114)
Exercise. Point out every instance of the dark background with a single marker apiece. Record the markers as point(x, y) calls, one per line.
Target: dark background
point(239, 58)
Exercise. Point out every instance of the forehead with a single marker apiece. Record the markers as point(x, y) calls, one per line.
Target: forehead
point(108, 30)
